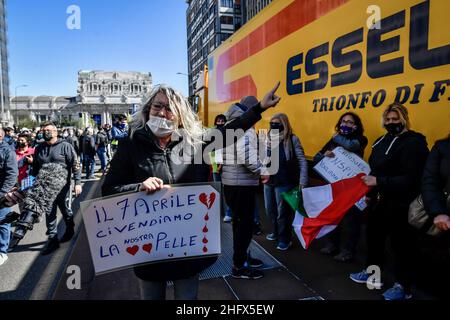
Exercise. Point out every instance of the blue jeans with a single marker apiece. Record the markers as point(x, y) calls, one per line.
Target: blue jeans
point(279, 212)
point(185, 289)
point(89, 162)
point(101, 152)
point(256, 213)
point(5, 230)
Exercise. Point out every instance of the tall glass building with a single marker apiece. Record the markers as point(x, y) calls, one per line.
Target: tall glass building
point(4, 78)
point(209, 23)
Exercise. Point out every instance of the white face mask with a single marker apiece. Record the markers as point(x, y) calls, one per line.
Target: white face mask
point(161, 127)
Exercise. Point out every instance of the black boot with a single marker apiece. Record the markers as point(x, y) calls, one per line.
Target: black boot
point(68, 235)
point(52, 245)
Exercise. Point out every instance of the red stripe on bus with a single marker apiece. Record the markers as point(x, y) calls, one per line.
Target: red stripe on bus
point(292, 18)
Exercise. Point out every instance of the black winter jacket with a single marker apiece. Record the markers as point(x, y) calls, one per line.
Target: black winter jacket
point(397, 163)
point(139, 158)
point(436, 178)
point(8, 168)
point(89, 145)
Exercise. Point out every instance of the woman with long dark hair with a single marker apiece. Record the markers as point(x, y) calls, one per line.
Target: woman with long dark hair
point(349, 134)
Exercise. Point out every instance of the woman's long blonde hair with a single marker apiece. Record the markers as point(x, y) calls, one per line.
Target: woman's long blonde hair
point(287, 132)
point(185, 117)
point(401, 111)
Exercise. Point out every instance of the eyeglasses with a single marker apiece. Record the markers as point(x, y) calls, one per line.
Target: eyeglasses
point(158, 107)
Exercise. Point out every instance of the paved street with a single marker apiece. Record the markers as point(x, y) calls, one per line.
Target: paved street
point(29, 275)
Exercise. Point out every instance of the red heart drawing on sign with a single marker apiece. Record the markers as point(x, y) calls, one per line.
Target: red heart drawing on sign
point(133, 250)
point(147, 247)
point(207, 202)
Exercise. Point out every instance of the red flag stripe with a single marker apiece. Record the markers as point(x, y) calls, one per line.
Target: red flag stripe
point(345, 193)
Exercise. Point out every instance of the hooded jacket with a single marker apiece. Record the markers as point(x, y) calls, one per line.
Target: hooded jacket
point(241, 164)
point(140, 157)
point(397, 162)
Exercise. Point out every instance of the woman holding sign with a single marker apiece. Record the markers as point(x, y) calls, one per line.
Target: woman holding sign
point(349, 134)
point(162, 134)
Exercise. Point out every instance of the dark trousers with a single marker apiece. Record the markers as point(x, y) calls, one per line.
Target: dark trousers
point(64, 203)
point(89, 162)
point(387, 220)
point(241, 201)
point(349, 230)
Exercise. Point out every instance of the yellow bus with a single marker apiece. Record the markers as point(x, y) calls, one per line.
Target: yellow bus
point(334, 56)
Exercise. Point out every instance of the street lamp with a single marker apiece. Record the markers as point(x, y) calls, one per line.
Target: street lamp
point(184, 74)
point(15, 92)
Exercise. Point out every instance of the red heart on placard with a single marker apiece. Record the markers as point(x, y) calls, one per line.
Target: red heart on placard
point(133, 250)
point(207, 202)
point(147, 247)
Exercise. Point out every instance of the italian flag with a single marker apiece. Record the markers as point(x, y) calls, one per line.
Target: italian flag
point(322, 208)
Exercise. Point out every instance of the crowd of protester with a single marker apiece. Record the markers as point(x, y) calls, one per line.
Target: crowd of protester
point(23, 153)
point(401, 165)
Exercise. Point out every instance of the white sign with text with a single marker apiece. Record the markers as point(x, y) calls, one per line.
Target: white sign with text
point(133, 229)
point(343, 165)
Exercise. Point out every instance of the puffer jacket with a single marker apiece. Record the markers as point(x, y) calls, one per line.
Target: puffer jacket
point(241, 164)
point(140, 157)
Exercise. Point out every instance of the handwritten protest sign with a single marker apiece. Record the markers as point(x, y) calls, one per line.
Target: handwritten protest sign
point(343, 165)
point(133, 229)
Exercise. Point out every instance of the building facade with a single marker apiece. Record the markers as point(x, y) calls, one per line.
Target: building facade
point(102, 95)
point(41, 109)
point(209, 23)
point(252, 7)
point(4, 76)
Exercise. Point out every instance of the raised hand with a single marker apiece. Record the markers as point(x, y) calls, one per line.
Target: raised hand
point(270, 99)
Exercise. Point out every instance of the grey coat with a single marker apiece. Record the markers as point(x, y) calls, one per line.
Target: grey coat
point(301, 159)
point(241, 165)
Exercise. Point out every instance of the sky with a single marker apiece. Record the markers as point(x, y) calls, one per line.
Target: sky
point(115, 35)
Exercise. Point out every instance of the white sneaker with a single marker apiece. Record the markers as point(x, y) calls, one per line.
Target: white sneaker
point(3, 258)
point(227, 219)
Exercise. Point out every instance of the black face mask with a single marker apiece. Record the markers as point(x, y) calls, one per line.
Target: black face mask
point(218, 126)
point(47, 136)
point(276, 126)
point(22, 144)
point(395, 128)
